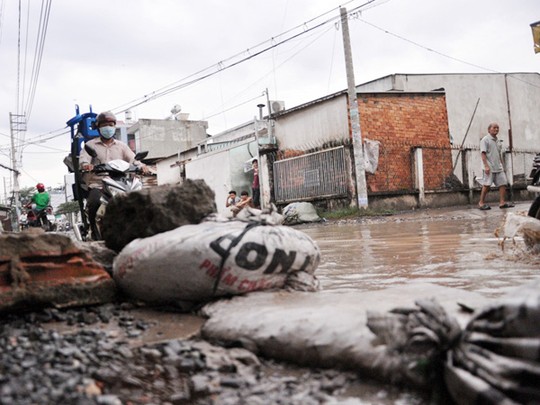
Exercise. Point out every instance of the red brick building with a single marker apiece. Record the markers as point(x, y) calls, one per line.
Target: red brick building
point(315, 145)
point(402, 122)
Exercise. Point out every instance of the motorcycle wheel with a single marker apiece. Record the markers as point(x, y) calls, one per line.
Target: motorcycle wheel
point(77, 230)
point(534, 210)
point(95, 233)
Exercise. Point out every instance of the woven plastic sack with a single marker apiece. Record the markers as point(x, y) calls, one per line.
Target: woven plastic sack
point(494, 360)
point(217, 258)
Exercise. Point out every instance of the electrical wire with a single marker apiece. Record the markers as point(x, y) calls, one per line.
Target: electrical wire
point(443, 54)
point(222, 65)
point(274, 68)
point(38, 54)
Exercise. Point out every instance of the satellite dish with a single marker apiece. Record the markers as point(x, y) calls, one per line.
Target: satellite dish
point(176, 109)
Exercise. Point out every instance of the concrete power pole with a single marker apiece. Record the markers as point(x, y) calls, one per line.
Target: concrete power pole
point(17, 125)
point(361, 186)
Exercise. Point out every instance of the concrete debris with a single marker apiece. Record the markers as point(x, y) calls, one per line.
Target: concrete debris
point(151, 211)
point(47, 269)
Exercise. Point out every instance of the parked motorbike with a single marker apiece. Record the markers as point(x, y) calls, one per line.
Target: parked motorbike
point(534, 210)
point(119, 177)
point(40, 219)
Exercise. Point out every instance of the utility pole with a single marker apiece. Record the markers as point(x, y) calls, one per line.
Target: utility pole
point(17, 124)
point(361, 186)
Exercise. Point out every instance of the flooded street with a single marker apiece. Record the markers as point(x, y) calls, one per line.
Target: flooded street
point(362, 260)
point(453, 247)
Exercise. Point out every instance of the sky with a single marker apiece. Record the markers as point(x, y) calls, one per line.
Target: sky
point(217, 59)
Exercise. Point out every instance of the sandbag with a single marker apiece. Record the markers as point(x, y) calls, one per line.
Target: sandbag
point(327, 329)
point(516, 224)
point(218, 257)
point(495, 359)
point(299, 213)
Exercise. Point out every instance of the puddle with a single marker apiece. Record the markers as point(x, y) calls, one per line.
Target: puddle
point(452, 248)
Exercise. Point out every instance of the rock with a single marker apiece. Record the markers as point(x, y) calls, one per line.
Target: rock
point(38, 270)
point(155, 210)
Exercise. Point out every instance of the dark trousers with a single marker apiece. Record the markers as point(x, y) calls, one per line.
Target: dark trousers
point(256, 194)
point(92, 204)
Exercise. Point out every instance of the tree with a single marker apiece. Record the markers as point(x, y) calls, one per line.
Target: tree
point(25, 194)
point(68, 207)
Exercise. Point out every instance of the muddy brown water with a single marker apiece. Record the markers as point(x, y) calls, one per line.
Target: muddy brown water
point(454, 247)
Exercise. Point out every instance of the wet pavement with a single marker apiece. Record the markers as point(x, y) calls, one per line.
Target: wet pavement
point(452, 247)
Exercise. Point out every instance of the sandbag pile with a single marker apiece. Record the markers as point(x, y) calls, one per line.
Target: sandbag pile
point(216, 258)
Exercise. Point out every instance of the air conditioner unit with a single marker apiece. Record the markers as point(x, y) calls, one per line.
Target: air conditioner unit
point(277, 106)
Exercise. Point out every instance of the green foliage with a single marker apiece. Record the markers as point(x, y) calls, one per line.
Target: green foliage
point(354, 212)
point(26, 193)
point(68, 207)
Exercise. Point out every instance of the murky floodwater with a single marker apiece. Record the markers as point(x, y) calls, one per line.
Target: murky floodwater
point(450, 247)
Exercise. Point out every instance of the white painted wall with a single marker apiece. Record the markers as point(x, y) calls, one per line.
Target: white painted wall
point(163, 137)
point(167, 171)
point(311, 127)
point(223, 170)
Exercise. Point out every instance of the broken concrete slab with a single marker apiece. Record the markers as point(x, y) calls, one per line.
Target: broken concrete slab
point(39, 269)
point(145, 213)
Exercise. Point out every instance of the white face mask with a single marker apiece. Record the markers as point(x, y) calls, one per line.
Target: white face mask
point(107, 132)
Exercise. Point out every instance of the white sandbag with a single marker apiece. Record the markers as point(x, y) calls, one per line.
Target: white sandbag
point(184, 264)
point(327, 329)
point(516, 224)
point(299, 213)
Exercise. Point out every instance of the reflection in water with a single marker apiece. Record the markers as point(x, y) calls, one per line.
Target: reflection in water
point(450, 248)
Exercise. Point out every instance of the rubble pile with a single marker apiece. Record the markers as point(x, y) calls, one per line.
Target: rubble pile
point(94, 365)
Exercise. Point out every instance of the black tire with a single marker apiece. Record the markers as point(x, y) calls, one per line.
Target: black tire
point(534, 210)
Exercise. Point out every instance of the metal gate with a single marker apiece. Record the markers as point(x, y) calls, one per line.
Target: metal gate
point(315, 175)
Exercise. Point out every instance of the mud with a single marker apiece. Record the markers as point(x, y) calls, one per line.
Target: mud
point(449, 247)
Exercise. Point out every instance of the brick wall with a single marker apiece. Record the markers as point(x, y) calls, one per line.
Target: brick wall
point(401, 122)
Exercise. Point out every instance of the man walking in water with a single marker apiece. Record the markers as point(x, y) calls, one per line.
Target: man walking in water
point(491, 148)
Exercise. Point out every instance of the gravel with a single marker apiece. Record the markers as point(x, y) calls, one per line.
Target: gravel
point(97, 363)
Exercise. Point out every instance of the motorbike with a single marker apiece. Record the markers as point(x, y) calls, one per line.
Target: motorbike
point(40, 219)
point(119, 177)
point(534, 210)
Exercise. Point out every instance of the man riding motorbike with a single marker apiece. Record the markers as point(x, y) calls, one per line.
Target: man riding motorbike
point(107, 148)
point(39, 203)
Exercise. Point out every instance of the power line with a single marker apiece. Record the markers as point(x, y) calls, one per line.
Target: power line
point(220, 66)
point(38, 138)
point(443, 54)
point(266, 74)
point(38, 53)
